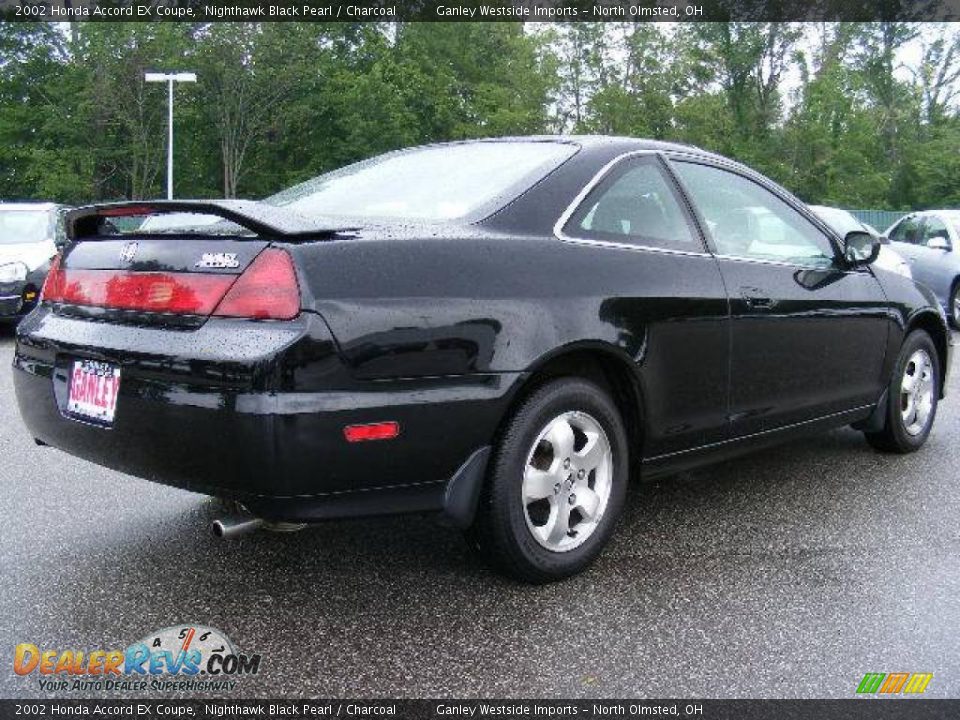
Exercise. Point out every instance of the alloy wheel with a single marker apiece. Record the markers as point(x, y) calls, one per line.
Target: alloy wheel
point(917, 392)
point(567, 481)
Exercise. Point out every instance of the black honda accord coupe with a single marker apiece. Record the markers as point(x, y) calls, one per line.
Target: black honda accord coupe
point(504, 332)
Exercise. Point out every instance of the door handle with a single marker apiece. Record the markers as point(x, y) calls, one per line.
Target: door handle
point(754, 298)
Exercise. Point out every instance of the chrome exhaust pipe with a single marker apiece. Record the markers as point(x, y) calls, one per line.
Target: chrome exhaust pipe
point(235, 525)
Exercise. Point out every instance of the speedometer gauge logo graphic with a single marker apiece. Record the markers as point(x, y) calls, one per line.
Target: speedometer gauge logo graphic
point(183, 638)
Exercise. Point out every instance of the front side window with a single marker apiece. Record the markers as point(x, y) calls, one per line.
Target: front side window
point(747, 220)
point(909, 230)
point(935, 228)
point(634, 204)
point(434, 183)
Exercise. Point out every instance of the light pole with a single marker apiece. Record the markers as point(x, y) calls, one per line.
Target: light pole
point(170, 79)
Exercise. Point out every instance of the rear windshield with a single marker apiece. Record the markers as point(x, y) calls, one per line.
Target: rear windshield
point(443, 182)
point(25, 226)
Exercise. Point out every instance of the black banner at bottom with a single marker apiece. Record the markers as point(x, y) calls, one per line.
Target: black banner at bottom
point(853, 709)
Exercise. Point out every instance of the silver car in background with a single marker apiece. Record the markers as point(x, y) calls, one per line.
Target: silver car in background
point(931, 244)
point(844, 222)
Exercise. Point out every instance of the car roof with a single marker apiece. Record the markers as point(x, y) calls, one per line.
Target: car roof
point(950, 212)
point(596, 141)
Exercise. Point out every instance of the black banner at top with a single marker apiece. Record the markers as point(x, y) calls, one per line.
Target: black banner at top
point(478, 10)
point(218, 709)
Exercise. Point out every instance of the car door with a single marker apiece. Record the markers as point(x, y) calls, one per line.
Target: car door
point(807, 334)
point(675, 312)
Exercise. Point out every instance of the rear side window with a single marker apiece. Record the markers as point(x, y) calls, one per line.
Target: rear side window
point(634, 204)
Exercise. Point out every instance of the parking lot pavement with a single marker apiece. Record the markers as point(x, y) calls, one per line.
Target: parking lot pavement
point(791, 572)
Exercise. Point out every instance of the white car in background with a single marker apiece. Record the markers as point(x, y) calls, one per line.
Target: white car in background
point(843, 222)
point(30, 234)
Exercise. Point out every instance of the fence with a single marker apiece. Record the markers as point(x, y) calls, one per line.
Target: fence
point(880, 219)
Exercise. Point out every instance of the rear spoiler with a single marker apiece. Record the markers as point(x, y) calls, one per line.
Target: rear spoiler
point(258, 217)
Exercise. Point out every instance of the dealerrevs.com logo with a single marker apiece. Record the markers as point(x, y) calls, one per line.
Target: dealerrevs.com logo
point(184, 658)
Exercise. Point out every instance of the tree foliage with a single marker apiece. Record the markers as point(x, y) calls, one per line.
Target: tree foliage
point(829, 110)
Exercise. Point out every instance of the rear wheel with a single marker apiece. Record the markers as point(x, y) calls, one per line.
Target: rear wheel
point(913, 394)
point(556, 484)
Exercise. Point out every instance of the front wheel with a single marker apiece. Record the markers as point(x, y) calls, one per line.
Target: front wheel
point(556, 484)
point(954, 309)
point(913, 395)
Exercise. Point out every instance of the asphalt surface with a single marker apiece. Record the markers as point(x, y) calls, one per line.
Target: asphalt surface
point(788, 573)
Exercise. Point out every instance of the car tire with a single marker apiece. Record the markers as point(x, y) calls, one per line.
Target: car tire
point(953, 309)
point(913, 396)
point(555, 485)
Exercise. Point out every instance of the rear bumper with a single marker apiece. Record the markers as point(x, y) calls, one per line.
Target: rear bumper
point(192, 418)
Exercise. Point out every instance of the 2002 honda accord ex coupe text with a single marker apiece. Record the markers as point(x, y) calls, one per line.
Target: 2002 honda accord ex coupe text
point(501, 331)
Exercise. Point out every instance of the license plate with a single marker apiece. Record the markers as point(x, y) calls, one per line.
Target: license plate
point(93, 390)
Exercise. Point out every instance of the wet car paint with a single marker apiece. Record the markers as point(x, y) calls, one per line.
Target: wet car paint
point(440, 327)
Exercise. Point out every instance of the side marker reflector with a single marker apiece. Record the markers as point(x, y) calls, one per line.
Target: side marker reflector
point(374, 431)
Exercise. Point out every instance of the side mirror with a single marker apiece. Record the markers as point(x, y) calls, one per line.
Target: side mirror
point(938, 243)
point(860, 248)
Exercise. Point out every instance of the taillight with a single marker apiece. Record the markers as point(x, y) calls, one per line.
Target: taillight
point(52, 289)
point(180, 293)
point(267, 290)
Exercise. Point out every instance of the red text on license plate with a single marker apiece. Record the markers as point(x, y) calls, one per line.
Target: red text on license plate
point(93, 390)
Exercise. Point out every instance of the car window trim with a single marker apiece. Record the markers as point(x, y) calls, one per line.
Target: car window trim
point(832, 237)
point(598, 178)
point(692, 242)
